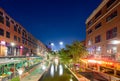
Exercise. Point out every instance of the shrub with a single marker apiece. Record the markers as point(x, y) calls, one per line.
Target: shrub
point(15, 79)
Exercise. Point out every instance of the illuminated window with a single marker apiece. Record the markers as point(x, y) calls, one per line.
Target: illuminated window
point(89, 42)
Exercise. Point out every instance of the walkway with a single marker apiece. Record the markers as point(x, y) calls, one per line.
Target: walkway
point(35, 74)
point(78, 76)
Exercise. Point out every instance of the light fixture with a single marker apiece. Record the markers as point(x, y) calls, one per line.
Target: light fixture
point(3, 42)
point(21, 47)
point(115, 42)
point(52, 44)
point(61, 43)
point(12, 44)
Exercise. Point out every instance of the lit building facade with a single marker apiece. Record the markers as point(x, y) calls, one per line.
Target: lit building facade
point(103, 31)
point(15, 40)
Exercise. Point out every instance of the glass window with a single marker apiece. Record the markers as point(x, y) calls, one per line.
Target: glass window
point(1, 13)
point(110, 3)
point(1, 19)
point(98, 14)
point(89, 31)
point(1, 32)
point(111, 33)
point(7, 18)
point(7, 23)
point(98, 25)
point(23, 41)
point(97, 39)
point(15, 28)
point(90, 23)
point(19, 39)
point(19, 30)
point(15, 37)
point(12, 21)
point(8, 34)
point(111, 16)
point(23, 33)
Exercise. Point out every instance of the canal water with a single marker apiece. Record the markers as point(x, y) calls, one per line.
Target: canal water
point(57, 72)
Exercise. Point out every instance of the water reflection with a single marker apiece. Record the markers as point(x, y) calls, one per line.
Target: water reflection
point(52, 70)
point(56, 68)
point(71, 79)
point(60, 70)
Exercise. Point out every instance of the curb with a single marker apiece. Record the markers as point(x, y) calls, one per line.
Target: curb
point(77, 76)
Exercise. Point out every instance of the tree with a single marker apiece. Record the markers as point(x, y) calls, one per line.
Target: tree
point(73, 52)
point(64, 56)
point(78, 50)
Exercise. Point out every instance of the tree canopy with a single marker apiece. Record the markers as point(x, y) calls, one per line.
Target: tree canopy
point(73, 52)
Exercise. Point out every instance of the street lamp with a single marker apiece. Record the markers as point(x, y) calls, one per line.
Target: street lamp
point(61, 43)
point(52, 44)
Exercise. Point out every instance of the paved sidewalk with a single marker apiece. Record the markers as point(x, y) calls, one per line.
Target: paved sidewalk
point(35, 74)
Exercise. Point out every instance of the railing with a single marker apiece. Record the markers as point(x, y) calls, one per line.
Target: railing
point(102, 57)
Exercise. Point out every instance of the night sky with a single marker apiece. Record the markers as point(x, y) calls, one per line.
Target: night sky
point(52, 20)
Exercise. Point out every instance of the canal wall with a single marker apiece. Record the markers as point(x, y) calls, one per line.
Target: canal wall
point(80, 78)
point(44, 72)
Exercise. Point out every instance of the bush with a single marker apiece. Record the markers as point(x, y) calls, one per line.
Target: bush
point(15, 79)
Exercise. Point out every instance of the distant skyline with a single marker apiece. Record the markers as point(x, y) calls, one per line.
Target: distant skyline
point(52, 20)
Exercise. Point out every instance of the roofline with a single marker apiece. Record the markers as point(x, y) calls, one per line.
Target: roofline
point(102, 4)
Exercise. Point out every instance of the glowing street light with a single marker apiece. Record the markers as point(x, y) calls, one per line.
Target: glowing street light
point(61, 43)
point(52, 44)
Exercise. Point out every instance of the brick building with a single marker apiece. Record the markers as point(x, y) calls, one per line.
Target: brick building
point(103, 30)
point(15, 40)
